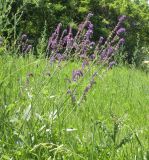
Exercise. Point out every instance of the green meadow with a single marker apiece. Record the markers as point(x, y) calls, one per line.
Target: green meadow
point(44, 116)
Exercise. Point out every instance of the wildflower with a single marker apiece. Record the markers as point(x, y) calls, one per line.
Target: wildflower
point(103, 55)
point(110, 50)
point(122, 18)
point(89, 31)
point(76, 74)
point(121, 41)
point(92, 44)
point(92, 56)
point(90, 26)
point(101, 40)
point(121, 31)
point(28, 49)
point(52, 43)
point(111, 64)
point(59, 57)
point(89, 86)
point(89, 15)
point(85, 63)
point(52, 59)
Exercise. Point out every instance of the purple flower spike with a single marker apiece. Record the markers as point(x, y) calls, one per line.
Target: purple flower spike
point(101, 40)
point(52, 59)
point(122, 18)
point(90, 15)
point(59, 57)
point(76, 74)
point(90, 26)
point(110, 51)
point(122, 41)
point(111, 64)
point(103, 55)
point(28, 49)
point(84, 64)
point(121, 31)
point(92, 44)
point(92, 57)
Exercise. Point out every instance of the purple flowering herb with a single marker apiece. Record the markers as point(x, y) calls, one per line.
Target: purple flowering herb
point(92, 56)
point(85, 63)
point(53, 40)
point(59, 57)
point(89, 15)
point(73, 98)
point(89, 31)
point(82, 26)
point(103, 55)
point(25, 47)
point(90, 26)
point(62, 36)
point(92, 44)
point(111, 64)
point(87, 89)
point(52, 59)
point(122, 18)
point(83, 56)
point(121, 31)
point(76, 74)
point(101, 39)
point(110, 50)
point(122, 41)
point(28, 49)
point(68, 40)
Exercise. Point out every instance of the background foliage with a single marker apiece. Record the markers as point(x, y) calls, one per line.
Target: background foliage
point(30, 17)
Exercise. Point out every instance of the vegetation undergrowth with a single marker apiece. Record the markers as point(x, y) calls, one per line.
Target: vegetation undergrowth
point(39, 120)
point(71, 96)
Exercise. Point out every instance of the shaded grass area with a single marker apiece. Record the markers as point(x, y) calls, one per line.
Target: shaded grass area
point(38, 120)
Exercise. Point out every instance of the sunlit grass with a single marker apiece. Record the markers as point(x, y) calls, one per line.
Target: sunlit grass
point(38, 119)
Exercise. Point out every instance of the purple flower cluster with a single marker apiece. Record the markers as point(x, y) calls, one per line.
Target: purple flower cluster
point(82, 46)
point(114, 41)
point(121, 31)
point(111, 64)
point(53, 40)
point(76, 74)
point(85, 49)
point(122, 18)
point(25, 47)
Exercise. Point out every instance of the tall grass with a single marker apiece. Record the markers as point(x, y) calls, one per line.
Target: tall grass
point(39, 121)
